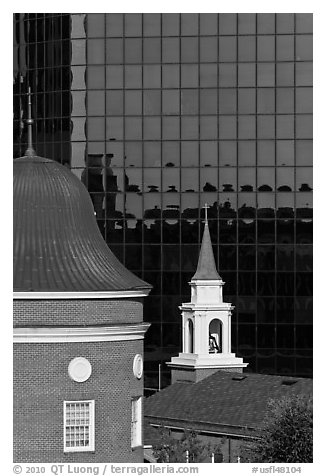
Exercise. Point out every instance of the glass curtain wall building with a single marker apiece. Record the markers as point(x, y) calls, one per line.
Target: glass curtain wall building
point(159, 114)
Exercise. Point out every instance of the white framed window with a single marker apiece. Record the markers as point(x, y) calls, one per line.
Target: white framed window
point(79, 425)
point(136, 422)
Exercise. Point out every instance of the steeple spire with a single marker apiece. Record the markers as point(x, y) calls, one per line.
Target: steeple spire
point(29, 121)
point(206, 268)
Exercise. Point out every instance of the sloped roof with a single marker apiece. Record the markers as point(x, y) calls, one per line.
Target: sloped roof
point(206, 268)
point(58, 246)
point(223, 398)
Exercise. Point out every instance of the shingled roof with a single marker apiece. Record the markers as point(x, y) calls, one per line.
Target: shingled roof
point(206, 268)
point(222, 399)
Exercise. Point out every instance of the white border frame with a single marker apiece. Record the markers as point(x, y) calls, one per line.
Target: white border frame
point(81, 449)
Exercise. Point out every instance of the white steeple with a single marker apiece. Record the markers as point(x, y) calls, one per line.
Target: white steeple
point(206, 323)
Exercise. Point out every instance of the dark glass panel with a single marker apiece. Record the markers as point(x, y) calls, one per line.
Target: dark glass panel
point(265, 101)
point(227, 258)
point(170, 283)
point(133, 51)
point(265, 284)
point(247, 258)
point(304, 74)
point(171, 179)
point(189, 127)
point(285, 74)
point(170, 76)
point(189, 23)
point(151, 50)
point(265, 74)
point(208, 75)
point(285, 48)
point(265, 48)
point(304, 258)
point(208, 102)
point(170, 102)
point(170, 154)
point(265, 336)
point(246, 101)
point(133, 103)
point(208, 154)
point(246, 337)
point(266, 257)
point(171, 310)
point(304, 48)
point(285, 258)
point(285, 152)
point(304, 231)
point(133, 24)
point(152, 257)
point(304, 310)
point(285, 309)
point(133, 257)
point(208, 49)
point(133, 128)
point(266, 152)
point(189, 76)
point(227, 48)
point(227, 75)
point(152, 227)
point(285, 231)
point(152, 102)
point(170, 128)
point(227, 101)
point(304, 126)
point(230, 286)
point(189, 256)
point(284, 23)
point(266, 309)
point(189, 233)
point(284, 337)
point(246, 23)
point(266, 231)
point(227, 23)
point(285, 284)
point(170, 24)
point(208, 127)
point(303, 100)
point(247, 231)
point(285, 179)
point(266, 23)
point(151, 24)
point(304, 284)
point(246, 74)
point(285, 101)
point(170, 50)
point(171, 232)
point(154, 278)
point(247, 284)
point(246, 307)
point(304, 22)
point(133, 76)
point(114, 24)
point(189, 101)
point(266, 127)
point(170, 257)
point(246, 127)
point(227, 208)
point(247, 48)
point(208, 23)
point(95, 103)
point(304, 337)
point(152, 309)
point(190, 180)
point(95, 25)
point(227, 127)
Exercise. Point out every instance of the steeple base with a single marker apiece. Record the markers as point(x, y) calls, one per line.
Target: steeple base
point(196, 367)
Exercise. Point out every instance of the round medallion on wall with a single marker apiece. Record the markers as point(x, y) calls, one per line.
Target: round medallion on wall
point(79, 369)
point(138, 366)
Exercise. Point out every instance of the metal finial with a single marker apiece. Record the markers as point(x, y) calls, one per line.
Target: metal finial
point(29, 121)
point(206, 208)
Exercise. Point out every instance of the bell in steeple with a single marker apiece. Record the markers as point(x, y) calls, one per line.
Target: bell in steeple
point(206, 323)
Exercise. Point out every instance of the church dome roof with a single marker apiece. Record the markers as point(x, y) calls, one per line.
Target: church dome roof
point(58, 246)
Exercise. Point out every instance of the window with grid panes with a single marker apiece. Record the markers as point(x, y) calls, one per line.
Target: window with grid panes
point(79, 428)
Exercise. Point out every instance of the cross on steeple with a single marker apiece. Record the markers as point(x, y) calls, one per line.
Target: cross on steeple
point(29, 121)
point(206, 208)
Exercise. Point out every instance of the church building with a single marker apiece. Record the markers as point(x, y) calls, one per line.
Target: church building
point(78, 326)
point(210, 392)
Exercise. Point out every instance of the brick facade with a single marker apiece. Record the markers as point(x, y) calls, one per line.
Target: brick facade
point(76, 312)
point(42, 383)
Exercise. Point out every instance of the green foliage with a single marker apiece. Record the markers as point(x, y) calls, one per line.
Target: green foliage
point(173, 450)
point(287, 433)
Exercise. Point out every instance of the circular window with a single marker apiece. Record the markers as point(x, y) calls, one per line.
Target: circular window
point(138, 366)
point(79, 369)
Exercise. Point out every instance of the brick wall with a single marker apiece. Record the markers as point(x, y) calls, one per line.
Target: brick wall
point(42, 383)
point(76, 312)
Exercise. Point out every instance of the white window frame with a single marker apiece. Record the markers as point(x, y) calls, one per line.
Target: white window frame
point(90, 425)
point(136, 422)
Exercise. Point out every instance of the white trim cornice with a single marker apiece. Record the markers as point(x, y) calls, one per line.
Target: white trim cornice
point(123, 332)
point(80, 295)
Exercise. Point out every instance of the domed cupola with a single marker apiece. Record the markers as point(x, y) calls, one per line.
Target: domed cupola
point(57, 244)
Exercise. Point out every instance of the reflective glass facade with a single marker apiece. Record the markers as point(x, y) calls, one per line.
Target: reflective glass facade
point(159, 114)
